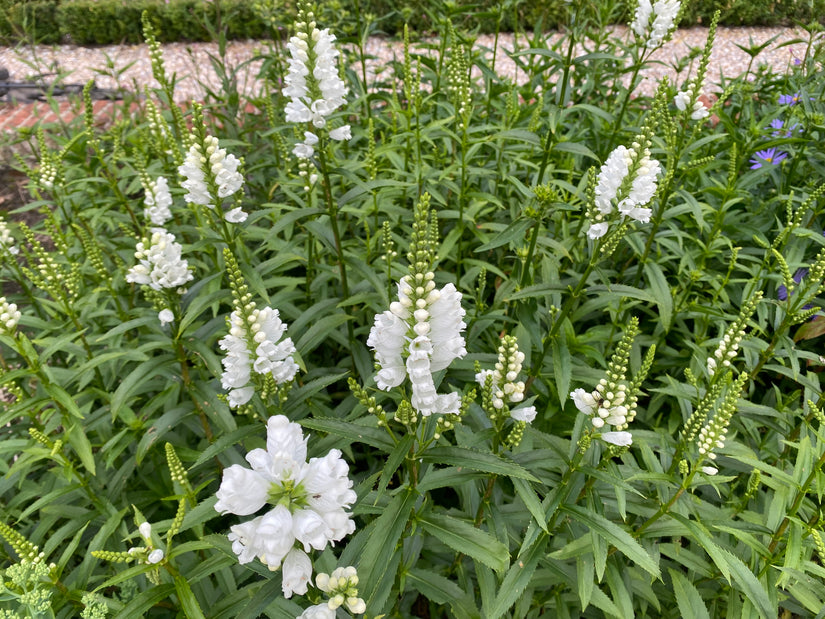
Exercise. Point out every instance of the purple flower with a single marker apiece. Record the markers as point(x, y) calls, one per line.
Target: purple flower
point(789, 99)
point(797, 61)
point(777, 126)
point(770, 155)
point(782, 291)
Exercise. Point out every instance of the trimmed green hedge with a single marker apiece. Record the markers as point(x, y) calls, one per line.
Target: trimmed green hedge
point(99, 22)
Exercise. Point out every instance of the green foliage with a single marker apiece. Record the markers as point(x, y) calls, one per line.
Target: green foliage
point(630, 425)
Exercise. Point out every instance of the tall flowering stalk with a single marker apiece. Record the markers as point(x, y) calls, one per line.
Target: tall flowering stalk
point(253, 345)
point(654, 23)
point(316, 91)
point(421, 332)
point(306, 504)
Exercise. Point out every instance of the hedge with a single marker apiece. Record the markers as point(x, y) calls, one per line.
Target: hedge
point(99, 22)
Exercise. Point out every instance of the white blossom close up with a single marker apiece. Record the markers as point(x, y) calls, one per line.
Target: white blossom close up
point(160, 263)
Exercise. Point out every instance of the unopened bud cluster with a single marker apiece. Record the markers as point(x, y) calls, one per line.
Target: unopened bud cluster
point(501, 385)
point(712, 435)
point(342, 588)
point(729, 344)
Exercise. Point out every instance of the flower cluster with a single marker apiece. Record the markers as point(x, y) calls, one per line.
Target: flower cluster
point(342, 588)
point(419, 334)
point(664, 14)
point(503, 380)
point(790, 99)
point(157, 200)
point(613, 402)
point(9, 316)
point(685, 98)
point(6, 239)
point(211, 175)
point(147, 554)
point(161, 265)
point(312, 83)
point(780, 130)
point(308, 503)
point(253, 344)
point(627, 180)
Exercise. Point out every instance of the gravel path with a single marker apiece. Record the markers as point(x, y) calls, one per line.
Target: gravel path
point(128, 66)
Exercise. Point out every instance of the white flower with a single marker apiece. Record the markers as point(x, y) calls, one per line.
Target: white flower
point(309, 499)
point(297, 570)
point(611, 175)
point(682, 99)
point(699, 111)
point(157, 200)
point(597, 231)
point(526, 414)
point(584, 401)
point(665, 12)
point(165, 316)
point(301, 107)
point(160, 262)
point(417, 341)
point(341, 133)
point(253, 344)
point(710, 470)
point(215, 166)
point(622, 439)
point(319, 611)
point(236, 215)
point(6, 239)
point(9, 316)
point(156, 556)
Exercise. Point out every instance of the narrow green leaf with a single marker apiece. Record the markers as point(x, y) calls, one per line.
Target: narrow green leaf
point(64, 399)
point(188, 602)
point(82, 447)
point(139, 605)
point(476, 460)
point(375, 437)
point(531, 501)
point(441, 590)
point(615, 535)
point(750, 586)
point(517, 578)
point(514, 232)
point(394, 460)
point(465, 538)
point(562, 367)
point(687, 597)
point(660, 290)
point(382, 544)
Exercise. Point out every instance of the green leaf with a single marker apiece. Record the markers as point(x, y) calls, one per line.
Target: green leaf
point(615, 535)
point(394, 460)
point(514, 232)
point(64, 399)
point(82, 447)
point(465, 538)
point(320, 331)
point(382, 545)
point(476, 460)
point(687, 597)
point(188, 602)
point(441, 590)
point(531, 501)
point(660, 290)
point(750, 585)
point(139, 605)
point(517, 578)
point(375, 437)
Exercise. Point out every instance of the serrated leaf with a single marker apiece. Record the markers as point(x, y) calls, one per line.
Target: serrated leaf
point(476, 460)
point(616, 536)
point(394, 460)
point(382, 543)
point(82, 447)
point(687, 597)
point(188, 602)
point(375, 437)
point(660, 290)
point(750, 585)
point(465, 538)
point(517, 578)
point(531, 501)
point(441, 590)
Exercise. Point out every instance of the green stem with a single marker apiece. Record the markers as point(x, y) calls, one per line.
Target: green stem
point(332, 209)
